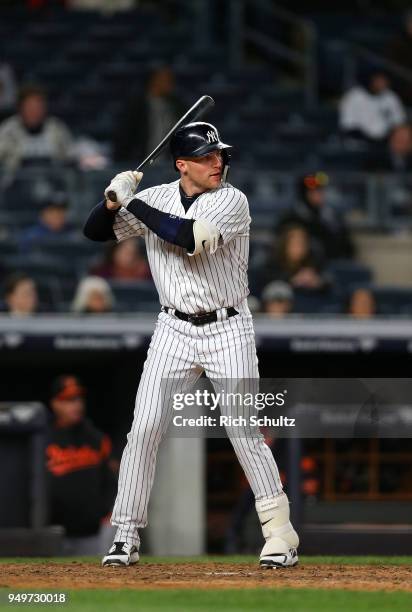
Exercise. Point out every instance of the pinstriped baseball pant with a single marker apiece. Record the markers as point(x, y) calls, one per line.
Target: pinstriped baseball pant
point(179, 352)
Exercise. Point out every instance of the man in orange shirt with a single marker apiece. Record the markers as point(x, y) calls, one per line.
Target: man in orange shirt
point(81, 472)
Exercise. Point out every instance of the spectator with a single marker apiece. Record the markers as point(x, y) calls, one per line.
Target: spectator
point(254, 303)
point(90, 154)
point(362, 303)
point(398, 156)
point(93, 296)
point(396, 160)
point(8, 90)
point(400, 52)
point(31, 135)
point(52, 223)
point(372, 110)
point(20, 295)
point(277, 298)
point(123, 261)
point(295, 261)
point(79, 465)
point(147, 118)
point(322, 221)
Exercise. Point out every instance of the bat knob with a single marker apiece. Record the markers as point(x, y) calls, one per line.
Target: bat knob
point(112, 196)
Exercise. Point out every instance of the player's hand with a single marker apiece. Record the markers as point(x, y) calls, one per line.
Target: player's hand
point(124, 185)
point(206, 237)
point(213, 242)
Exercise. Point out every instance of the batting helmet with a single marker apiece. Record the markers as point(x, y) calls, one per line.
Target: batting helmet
point(198, 139)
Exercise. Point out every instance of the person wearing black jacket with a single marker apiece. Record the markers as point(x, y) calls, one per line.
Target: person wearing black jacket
point(323, 223)
point(81, 472)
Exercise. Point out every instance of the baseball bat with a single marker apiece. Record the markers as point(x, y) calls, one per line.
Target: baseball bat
point(198, 109)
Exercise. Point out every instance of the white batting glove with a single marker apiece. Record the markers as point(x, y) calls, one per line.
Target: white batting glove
point(206, 237)
point(124, 185)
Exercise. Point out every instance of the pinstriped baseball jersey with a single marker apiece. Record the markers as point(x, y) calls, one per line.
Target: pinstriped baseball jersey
point(205, 282)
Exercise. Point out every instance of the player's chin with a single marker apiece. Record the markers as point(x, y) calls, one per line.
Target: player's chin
point(215, 180)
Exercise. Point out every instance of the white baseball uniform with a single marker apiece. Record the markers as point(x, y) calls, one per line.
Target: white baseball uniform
point(180, 351)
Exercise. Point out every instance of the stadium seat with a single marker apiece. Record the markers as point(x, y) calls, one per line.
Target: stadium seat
point(7, 249)
point(78, 251)
point(347, 272)
point(313, 302)
point(133, 296)
point(393, 300)
point(40, 266)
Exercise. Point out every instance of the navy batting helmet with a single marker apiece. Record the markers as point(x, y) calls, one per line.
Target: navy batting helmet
point(198, 139)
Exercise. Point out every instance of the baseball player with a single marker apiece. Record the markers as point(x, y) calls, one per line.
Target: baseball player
point(197, 238)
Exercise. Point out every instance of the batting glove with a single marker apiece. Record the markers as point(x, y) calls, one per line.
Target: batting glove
point(124, 185)
point(206, 237)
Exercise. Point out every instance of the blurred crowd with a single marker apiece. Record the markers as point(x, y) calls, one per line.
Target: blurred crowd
point(295, 267)
point(305, 240)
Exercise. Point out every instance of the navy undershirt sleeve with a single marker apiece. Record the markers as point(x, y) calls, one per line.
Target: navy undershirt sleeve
point(99, 224)
point(173, 229)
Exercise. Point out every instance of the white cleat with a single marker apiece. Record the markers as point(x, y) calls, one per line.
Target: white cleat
point(121, 554)
point(275, 560)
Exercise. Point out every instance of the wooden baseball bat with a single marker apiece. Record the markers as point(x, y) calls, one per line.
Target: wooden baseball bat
point(198, 109)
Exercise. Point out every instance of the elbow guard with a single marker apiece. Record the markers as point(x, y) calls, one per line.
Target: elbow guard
point(206, 237)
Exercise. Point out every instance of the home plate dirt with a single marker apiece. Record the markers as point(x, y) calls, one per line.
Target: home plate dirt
point(207, 575)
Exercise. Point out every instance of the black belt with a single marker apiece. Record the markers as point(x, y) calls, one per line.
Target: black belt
point(202, 318)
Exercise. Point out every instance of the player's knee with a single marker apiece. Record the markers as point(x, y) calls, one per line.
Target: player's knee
point(274, 515)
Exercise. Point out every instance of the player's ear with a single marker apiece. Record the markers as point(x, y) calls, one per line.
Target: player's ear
point(181, 165)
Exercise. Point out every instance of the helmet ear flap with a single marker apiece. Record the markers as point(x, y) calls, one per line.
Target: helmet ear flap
point(226, 164)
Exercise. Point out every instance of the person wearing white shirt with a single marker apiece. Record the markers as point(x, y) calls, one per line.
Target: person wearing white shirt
point(371, 111)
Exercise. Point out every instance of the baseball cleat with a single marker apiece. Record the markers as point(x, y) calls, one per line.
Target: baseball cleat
point(121, 554)
point(289, 559)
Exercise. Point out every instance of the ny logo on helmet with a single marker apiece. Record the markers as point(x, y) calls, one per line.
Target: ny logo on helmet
point(212, 137)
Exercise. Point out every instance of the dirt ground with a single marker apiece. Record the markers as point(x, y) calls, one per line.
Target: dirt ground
point(208, 575)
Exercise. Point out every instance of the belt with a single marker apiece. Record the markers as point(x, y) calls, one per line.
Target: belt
point(202, 318)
